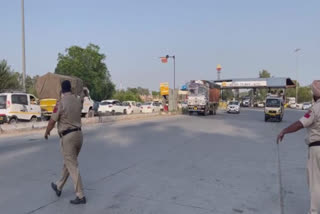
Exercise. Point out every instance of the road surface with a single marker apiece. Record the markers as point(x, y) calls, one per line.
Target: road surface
point(219, 164)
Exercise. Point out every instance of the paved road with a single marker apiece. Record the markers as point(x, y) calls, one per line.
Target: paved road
point(219, 164)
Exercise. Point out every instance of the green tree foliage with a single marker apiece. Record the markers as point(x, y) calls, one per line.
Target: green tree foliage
point(87, 64)
point(139, 90)
point(262, 93)
point(30, 84)
point(133, 90)
point(304, 94)
point(291, 92)
point(264, 74)
point(127, 95)
point(143, 91)
point(155, 93)
point(227, 94)
point(8, 78)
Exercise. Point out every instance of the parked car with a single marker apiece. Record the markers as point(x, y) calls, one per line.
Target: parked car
point(233, 107)
point(299, 106)
point(149, 107)
point(19, 106)
point(260, 104)
point(132, 107)
point(113, 107)
point(306, 106)
point(159, 105)
point(293, 105)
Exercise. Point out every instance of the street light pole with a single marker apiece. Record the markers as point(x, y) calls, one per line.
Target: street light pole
point(173, 98)
point(23, 49)
point(297, 69)
point(174, 72)
point(165, 60)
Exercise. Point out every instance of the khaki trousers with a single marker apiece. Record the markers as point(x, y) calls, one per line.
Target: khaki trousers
point(70, 148)
point(313, 167)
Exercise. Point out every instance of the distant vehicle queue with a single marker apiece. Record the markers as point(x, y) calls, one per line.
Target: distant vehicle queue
point(203, 98)
point(20, 106)
point(127, 107)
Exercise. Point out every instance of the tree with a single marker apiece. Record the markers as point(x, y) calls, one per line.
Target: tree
point(304, 94)
point(87, 64)
point(30, 84)
point(155, 93)
point(8, 78)
point(143, 91)
point(264, 74)
point(139, 90)
point(262, 93)
point(227, 94)
point(291, 92)
point(133, 90)
point(128, 95)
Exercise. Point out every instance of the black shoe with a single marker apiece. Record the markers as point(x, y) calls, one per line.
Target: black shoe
point(55, 188)
point(79, 201)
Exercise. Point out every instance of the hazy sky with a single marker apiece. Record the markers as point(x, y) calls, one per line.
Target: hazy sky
point(243, 36)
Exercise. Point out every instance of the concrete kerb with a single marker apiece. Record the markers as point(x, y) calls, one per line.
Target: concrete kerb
point(29, 126)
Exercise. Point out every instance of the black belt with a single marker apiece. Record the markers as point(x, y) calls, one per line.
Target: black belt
point(317, 143)
point(68, 131)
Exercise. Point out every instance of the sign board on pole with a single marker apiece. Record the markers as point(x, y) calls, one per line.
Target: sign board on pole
point(164, 89)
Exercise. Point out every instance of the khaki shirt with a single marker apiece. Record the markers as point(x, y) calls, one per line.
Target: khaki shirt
point(68, 112)
point(311, 121)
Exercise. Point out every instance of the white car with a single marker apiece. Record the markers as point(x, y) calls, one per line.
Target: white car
point(113, 107)
point(157, 103)
point(149, 107)
point(19, 106)
point(293, 105)
point(246, 103)
point(299, 106)
point(233, 107)
point(132, 107)
point(306, 106)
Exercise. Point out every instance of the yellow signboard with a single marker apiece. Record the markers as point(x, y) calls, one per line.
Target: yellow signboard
point(164, 89)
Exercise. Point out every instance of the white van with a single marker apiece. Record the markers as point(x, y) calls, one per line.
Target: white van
point(19, 106)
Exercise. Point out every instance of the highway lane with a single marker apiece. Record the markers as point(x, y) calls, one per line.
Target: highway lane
point(222, 164)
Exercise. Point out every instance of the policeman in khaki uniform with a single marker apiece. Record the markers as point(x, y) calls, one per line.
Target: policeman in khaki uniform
point(311, 121)
point(68, 115)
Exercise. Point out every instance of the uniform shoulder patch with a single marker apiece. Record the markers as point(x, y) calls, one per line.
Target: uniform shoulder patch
point(307, 115)
point(56, 108)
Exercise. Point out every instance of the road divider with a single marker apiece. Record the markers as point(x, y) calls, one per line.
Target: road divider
point(29, 126)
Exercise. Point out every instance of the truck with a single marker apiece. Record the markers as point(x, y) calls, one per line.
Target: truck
point(48, 88)
point(274, 108)
point(203, 97)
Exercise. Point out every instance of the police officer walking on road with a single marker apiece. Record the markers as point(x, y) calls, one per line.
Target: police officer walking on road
point(311, 121)
point(68, 115)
